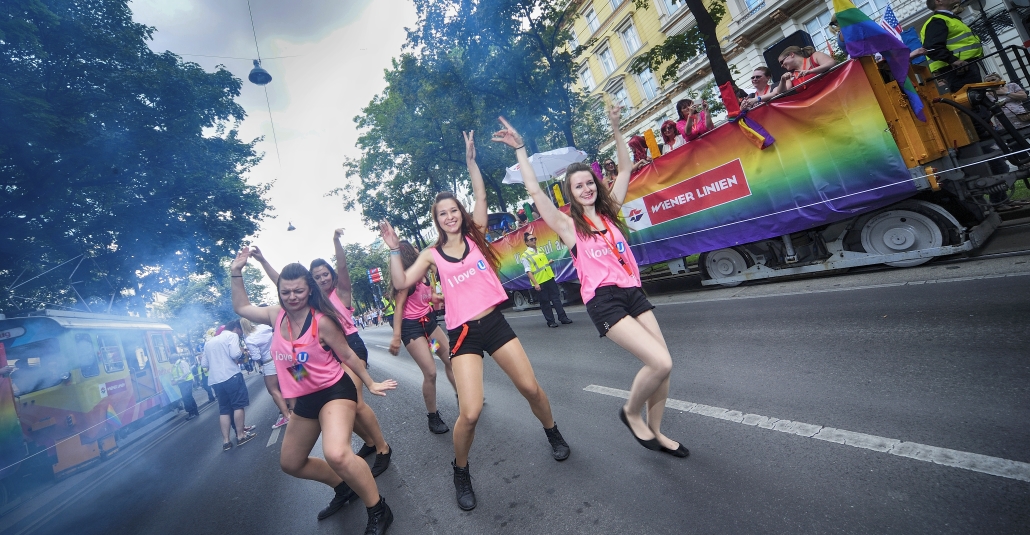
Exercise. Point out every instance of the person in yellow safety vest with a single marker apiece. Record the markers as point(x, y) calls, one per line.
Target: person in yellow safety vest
point(201, 376)
point(387, 311)
point(951, 45)
point(183, 378)
point(541, 276)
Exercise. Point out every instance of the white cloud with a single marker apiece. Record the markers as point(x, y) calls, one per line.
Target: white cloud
point(341, 50)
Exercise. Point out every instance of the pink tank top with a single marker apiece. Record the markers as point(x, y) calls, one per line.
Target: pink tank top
point(346, 314)
point(320, 366)
point(470, 286)
point(419, 302)
point(598, 266)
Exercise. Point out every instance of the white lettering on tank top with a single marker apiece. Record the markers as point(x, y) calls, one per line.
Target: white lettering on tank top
point(460, 277)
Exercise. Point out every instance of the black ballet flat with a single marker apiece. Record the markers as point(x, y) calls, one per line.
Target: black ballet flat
point(678, 452)
point(652, 444)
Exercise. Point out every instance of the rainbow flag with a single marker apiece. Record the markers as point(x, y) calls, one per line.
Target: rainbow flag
point(113, 416)
point(754, 132)
point(863, 37)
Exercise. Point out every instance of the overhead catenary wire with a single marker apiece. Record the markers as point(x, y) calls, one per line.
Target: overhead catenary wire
point(275, 139)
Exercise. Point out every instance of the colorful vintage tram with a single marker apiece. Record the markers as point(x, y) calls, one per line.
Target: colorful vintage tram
point(72, 382)
point(852, 178)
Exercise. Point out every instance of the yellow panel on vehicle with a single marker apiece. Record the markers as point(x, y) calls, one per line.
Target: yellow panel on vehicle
point(71, 452)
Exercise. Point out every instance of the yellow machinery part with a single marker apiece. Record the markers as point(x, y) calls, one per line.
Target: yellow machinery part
point(71, 452)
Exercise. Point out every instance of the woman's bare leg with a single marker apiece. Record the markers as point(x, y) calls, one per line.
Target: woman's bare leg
point(631, 335)
point(337, 420)
point(512, 359)
point(468, 372)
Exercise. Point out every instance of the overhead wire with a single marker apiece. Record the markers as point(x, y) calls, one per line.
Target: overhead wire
point(268, 102)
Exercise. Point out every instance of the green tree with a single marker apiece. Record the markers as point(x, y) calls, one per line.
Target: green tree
point(111, 151)
point(666, 58)
point(360, 259)
point(467, 62)
point(202, 301)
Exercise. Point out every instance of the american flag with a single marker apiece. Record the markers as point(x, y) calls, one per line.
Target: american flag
point(889, 21)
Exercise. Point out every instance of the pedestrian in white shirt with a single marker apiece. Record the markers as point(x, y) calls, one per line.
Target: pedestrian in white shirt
point(221, 359)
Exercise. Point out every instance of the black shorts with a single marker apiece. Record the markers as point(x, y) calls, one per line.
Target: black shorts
point(232, 394)
point(420, 328)
point(309, 405)
point(358, 346)
point(488, 333)
point(611, 303)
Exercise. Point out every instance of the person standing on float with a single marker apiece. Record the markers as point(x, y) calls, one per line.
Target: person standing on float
point(466, 265)
point(609, 278)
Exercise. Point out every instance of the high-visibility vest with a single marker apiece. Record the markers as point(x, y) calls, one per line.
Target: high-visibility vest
point(540, 266)
point(181, 372)
point(961, 41)
point(387, 307)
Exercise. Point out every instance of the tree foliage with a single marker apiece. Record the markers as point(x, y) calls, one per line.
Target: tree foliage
point(360, 259)
point(203, 301)
point(667, 57)
point(467, 62)
point(114, 152)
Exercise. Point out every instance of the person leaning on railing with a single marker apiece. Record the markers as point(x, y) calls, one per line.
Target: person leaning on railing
point(802, 64)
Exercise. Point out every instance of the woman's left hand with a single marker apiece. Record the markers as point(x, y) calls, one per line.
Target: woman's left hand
point(379, 389)
point(470, 146)
point(507, 135)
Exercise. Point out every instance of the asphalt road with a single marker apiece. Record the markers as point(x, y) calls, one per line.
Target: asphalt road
point(845, 394)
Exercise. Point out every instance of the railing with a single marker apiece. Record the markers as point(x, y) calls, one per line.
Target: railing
point(757, 7)
point(1019, 56)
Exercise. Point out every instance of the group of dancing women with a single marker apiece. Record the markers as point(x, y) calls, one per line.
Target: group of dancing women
point(321, 361)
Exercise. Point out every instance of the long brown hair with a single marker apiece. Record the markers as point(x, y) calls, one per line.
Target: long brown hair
point(605, 204)
point(316, 297)
point(468, 228)
point(408, 257)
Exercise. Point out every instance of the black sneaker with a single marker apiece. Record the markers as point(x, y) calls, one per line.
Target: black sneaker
point(382, 462)
point(366, 450)
point(379, 518)
point(552, 325)
point(566, 321)
point(559, 448)
point(463, 488)
point(436, 424)
point(343, 495)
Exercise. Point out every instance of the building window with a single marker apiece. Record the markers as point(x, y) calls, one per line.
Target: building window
point(819, 28)
point(630, 39)
point(749, 4)
point(607, 60)
point(872, 8)
point(621, 98)
point(675, 5)
point(586, 78)
point(592, 20)
point(86, 355)
point(615, 4)
point(648, 84)
point(573, 39)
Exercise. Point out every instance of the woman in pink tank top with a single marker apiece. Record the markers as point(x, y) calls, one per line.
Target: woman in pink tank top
point(609, 279)
point(308, 346)
point(472, 291)
point(338, 289)
point(414, 324)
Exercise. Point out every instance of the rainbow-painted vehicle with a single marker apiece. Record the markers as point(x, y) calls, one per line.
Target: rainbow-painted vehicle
point(853, 178)
point(70, 382)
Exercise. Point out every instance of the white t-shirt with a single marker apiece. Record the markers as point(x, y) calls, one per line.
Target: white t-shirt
point(219, 357)
point(259, 343)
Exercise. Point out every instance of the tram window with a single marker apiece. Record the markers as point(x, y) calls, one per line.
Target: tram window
point(86, 355)
point(135, 351)
point(110, 353)
point(37, 366)
point(160, 347)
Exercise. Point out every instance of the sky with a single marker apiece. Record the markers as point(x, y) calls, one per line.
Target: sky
point(340, 50)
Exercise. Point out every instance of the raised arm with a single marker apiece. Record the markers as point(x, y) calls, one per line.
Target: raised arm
point(332, 336)
point(559, 222)
point(621, 185)
point(269, 270)
point(343, 286)
point(403, 279)
point(823, 61)
point(399, 298)
point(240, 302)
point(479, 215)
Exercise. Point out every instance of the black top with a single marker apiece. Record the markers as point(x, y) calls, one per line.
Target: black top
point(451, 259)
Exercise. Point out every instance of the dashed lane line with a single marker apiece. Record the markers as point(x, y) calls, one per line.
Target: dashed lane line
point(274, 437)
point(994, 466)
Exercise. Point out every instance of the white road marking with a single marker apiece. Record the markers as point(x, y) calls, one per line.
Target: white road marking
point(382, 347)
point(828, 290)
point(274, 436)
point(921, 452)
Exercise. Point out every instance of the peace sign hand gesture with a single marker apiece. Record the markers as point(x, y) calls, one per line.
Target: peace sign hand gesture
point(389, 236)
point(470, 146)
point(508, 135)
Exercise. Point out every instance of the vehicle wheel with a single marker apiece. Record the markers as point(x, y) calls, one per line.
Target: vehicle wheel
point(724, 263)
point(899, 231)
point(519, 301)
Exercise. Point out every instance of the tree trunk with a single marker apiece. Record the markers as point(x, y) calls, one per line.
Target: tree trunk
point(706, 25)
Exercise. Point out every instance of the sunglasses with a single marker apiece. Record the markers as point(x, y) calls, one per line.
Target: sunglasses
point(759, 77)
